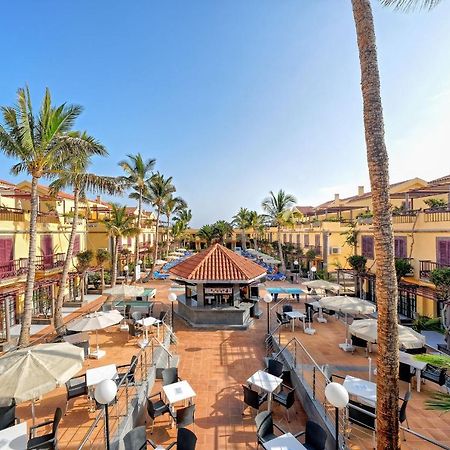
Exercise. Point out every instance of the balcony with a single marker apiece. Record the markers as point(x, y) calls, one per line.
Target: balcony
point(437, 215)
point(317, 249)
point(11, 215)
point(426, 267)
point(14, 268)
point(405, 216)
point(50, 262)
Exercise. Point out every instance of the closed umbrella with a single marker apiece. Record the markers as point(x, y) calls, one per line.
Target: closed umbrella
point(323, 284)
point(28, 373)
point(347, 305)
point(94, 322)
point(367, 330)
point(125, 290)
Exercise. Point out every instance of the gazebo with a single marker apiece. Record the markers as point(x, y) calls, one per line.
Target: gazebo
point(221, 288)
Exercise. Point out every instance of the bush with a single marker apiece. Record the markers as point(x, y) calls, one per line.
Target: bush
point(427, 323)
point(94, 279)
point(402, 268)
point(357, 262)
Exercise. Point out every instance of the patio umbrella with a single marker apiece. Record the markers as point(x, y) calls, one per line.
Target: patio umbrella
point(181, 250)
point(28, 373)
point(125, 290)
point(367, 330)
point(160, 262)
point(96, 321)
point(323, 284)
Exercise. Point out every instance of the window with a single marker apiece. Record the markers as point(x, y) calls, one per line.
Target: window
point(306, 240)
point(76, 245)
point(298, 239)
point(6, 254)
point(400, 247)
point(443, 251)
point(367, 247)
point(317, 240)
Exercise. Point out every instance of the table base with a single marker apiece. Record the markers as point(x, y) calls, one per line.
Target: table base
point(347, 347)
point(97, 354)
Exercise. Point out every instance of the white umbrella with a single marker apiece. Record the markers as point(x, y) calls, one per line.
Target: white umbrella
point(160, 262)
point(125, 290)
point(172, 257)
point(323, 284)
point(29, 373)
point(96, 321)
point(347, 305)
point(181, 250)
point(367, 330)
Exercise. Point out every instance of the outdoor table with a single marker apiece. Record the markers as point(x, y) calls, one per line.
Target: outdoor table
point(148, 322)
point(366, 391)
point(15, 437)
point(296, 315)
point(178, 392)
point(316, 306)
point(409, 359)
point(97, 375)
point(267, 382)
point(284, 442)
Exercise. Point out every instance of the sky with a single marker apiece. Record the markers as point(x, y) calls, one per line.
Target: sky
point(236, 98)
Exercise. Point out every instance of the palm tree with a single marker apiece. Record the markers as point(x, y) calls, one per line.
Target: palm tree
point(377, 159)
point(206, 232)
point(138, 173)
point(171, 206)
point(84, 261)
point(241, 221)
point(159, 189)
point(221, 230)
point(278, 211)
point(119, 225)
point(256, 222)
point(74, 174)
point(102, 256)
point(37, 142)
point(182, 219)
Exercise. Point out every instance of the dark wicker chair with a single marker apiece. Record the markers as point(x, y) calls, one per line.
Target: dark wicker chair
point(136, 439)
point(76, 387)
point(185, 416)
point(358, 342)
point(47, 441)
point(405, 374)
point(186, 440)
point(8, 416)
point(265, 428)
point(315, 436)
point(170, 376)
point(128, 375)
point(434, 374)
point(285, 397)
point(275, 367)
point(252, 399)
point(281, 319)
point(156, 408)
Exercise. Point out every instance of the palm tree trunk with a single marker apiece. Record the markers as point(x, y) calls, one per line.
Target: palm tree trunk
point(82, 286)
point(386, 283)
point(155, 247)
point(24, 337)
point(139, 218)
point(244, 240)
point(255, 242)
point(58, 318)
point(115, 261)
point(168, 235)
point(280, 250)
point(102, 274)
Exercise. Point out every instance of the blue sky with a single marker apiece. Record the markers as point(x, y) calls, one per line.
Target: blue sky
point(235, 98)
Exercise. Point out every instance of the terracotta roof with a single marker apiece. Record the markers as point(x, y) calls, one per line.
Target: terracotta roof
point(304, 209)
point(218, 263)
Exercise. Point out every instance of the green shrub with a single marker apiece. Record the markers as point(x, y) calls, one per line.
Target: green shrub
point(357, 262)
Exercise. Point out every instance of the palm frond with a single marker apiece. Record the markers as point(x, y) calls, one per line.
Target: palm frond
point(435, 360)
point(438, 401)
point(410, 5)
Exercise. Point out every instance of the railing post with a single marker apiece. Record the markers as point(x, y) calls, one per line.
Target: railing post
point(314, 382)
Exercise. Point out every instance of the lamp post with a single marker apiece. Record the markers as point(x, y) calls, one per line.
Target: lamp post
point(105, 392)
point(313, 272)
point(268, 299)
point(296, 270)
point(172, 299)
point(337, 396)
point(126, 268)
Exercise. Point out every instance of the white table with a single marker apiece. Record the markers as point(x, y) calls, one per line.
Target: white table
point(147, 322)
point(15, 437)
point(285, 442)
point(177, 392)
point(267, 382)
point(99, 374)
point(296, 315)
point(366, 391)
point(409, 359)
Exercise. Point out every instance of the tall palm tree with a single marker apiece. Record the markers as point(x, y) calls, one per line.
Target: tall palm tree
point(256, 222)
point(74, 174)
point(241, 221)
point(278, 210)
point(377, 159)
point(119, 225)
point(36, 140)
point(159, 188)
point(84, 261)
point(182, 219)
point(221, 230)
point(206, 232)
point(102, 256)
point(138, 173)
point(171, 206)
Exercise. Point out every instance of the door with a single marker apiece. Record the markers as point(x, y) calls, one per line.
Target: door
point(47, 250)
point(443, 251)
point(6, 257)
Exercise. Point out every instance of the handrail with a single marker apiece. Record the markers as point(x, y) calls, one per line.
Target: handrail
point(90, 431)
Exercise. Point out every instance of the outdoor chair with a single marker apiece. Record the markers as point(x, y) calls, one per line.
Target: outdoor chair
point(136, 439)
point(315, 436)
point(136, 315)
point(361, 418)
point(156, 408)
point(46, 441)
point(127, 311)
point(184, 416)
point(415, 351)
point(405, 374)
point(186, 440)
point(162, 316)
point(358, 342)
point(133, 331)
point(252, 399)
point(265, 428)
point(402, 412)
point(434, 374)
point(128, 375)
point(275, 367)
point(285, 397)
point(287, 308)
point(280, 319)
point(170, 376)
point(76, 387)
point(8, 416)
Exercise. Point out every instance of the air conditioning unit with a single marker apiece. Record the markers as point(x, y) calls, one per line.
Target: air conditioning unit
point(335, 250)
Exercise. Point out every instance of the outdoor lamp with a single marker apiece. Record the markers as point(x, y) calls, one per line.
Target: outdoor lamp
point(172, 299)
point(268, 299)
point(140, 261)
point(337, 396)
point(105, 392)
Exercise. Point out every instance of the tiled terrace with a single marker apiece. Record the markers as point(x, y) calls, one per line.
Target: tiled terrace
point(216, 363)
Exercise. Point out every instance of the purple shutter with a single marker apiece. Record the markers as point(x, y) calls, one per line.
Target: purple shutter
point(306, 240)
point(6, 254)
point(47, 250)
point(443, 248)
point(76, 245)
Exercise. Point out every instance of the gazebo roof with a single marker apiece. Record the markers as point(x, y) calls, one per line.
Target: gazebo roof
point(218, 263)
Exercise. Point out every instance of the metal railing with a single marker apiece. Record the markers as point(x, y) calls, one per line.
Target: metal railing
point(437, 215)
point(14, 268)
point(427, 266)
point(48, 262)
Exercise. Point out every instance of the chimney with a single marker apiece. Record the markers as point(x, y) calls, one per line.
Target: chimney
point(98, 199)
point(336, 197)
point(360, 190)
